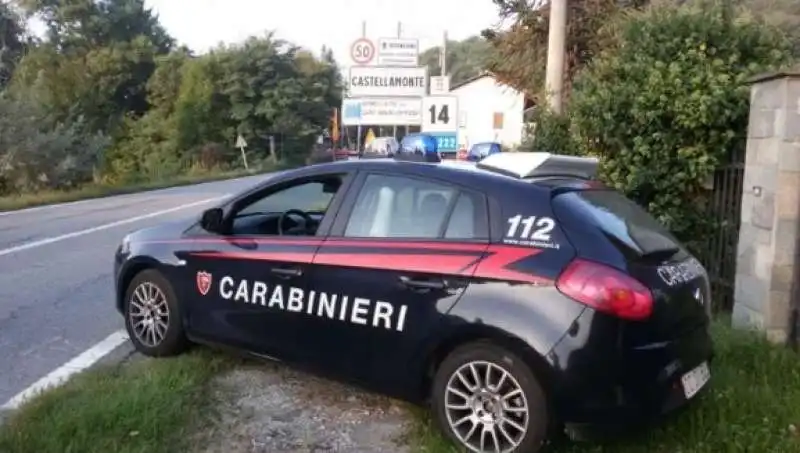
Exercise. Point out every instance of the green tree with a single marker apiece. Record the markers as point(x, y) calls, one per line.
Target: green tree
point(465, 59)
point(519, 56)
point(82, 25)
point(13, 42)
point(664, 104)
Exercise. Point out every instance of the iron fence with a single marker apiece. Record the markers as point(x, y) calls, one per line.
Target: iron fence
point(724, 210)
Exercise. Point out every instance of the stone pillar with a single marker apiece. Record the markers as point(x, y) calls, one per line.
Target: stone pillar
point(767, 252)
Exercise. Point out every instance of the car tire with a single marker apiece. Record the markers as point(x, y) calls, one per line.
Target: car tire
point(520, 386)
point(164, 335)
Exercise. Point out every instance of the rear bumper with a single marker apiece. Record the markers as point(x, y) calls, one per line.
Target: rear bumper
point(608, 386)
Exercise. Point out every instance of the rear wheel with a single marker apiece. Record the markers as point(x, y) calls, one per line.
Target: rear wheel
point(152, 316)
point(487, 399)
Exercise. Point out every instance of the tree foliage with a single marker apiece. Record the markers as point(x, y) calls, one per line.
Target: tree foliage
point(110, 88)
point(465, 59)
point(664, 104)
point(520, 52)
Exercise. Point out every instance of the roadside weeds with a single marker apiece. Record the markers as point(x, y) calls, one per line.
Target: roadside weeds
point(91, 191)
point(205, 402)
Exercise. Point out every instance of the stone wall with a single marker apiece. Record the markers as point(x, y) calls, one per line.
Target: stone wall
point(767, 251)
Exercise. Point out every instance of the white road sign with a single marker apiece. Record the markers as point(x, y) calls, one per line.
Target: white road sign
point(382, 112)
point(440, 85)
point(381, 81)
point(398, 52)
point(440, 114)
point(362, 51)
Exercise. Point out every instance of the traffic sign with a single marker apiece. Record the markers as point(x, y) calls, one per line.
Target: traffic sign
point(440, 114)
point(240, 142)
point(398, 52)
point(381, 111)
point(369, 138)
point(385, 81)
point(362, 51)
point(445, 141)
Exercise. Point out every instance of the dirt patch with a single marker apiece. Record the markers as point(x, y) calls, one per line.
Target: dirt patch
point(272, 408)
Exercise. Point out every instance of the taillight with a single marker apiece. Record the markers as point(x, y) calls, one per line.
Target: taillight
point(606, 289)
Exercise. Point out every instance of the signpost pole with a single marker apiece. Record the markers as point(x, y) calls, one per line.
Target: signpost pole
point(399, 35)
point(444, 55)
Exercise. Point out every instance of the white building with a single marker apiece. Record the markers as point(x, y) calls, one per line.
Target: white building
point(489, 111)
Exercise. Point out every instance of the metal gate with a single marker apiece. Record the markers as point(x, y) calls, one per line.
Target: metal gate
point(724, 209)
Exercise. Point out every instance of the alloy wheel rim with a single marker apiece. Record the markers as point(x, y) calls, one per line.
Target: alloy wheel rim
point(486, 408)
point(149, 314)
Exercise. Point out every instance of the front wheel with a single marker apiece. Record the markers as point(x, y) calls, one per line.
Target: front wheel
point(152, 316)
point(487, 399)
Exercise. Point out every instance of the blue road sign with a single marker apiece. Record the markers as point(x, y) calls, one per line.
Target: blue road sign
point(352, 110)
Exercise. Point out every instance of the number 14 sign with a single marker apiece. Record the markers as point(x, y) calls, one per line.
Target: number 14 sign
point(439, 114)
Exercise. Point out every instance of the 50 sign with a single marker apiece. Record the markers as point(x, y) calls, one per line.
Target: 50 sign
point(439, 114)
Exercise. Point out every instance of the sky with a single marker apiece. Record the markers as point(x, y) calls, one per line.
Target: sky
point(202, 24)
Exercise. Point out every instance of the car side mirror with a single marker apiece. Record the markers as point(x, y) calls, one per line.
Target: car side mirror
point(211, 220)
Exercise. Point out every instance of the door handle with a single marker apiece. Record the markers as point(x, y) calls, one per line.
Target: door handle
point(422, 284)
point(286, 272)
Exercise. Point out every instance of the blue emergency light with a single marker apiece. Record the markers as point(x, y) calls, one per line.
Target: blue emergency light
point(418, 148)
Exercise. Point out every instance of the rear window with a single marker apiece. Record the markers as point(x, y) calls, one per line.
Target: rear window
point(624, 221)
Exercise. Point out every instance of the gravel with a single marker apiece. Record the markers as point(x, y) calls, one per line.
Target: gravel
point(272, 408)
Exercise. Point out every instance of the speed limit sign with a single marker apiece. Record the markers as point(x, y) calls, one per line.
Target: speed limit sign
point(362, 51)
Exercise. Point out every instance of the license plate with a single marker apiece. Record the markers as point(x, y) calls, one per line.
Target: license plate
point(695, 379)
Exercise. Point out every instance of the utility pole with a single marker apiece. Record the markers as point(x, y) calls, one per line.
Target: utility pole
point(556, 53)
point(399, 35)
point(443, 55)
point(358, 128)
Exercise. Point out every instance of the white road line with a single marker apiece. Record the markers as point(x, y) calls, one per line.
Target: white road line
point(41, 242)
point(62, 374)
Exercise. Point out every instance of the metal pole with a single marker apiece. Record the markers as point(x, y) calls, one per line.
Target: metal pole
point(444, 55)
point(358, 138)
point(364, 29)
point(399, 34)
point(556, 50)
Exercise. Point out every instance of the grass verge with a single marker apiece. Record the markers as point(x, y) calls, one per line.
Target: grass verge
point(753, 405)
point(154, 406)
point(11, 203)
point(147, 406)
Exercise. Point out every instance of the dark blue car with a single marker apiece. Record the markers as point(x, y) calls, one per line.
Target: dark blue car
point(481, 150)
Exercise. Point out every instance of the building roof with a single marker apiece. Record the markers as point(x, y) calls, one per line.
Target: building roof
point(482, 75)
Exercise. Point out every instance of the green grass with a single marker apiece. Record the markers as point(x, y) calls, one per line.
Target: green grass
point(148, 406)
point(11, 203)
point(753, 406)
point(154, 406)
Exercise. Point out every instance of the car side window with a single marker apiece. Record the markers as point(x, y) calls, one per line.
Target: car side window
point(400, 207)
point(261, 216)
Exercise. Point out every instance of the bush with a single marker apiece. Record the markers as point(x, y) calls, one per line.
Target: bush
point(665, 104)
point(551, 132)
point(36, 154)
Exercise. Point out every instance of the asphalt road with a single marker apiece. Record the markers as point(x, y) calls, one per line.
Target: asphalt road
point(56, 296)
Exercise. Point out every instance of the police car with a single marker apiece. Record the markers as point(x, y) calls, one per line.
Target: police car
point(516, 295)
